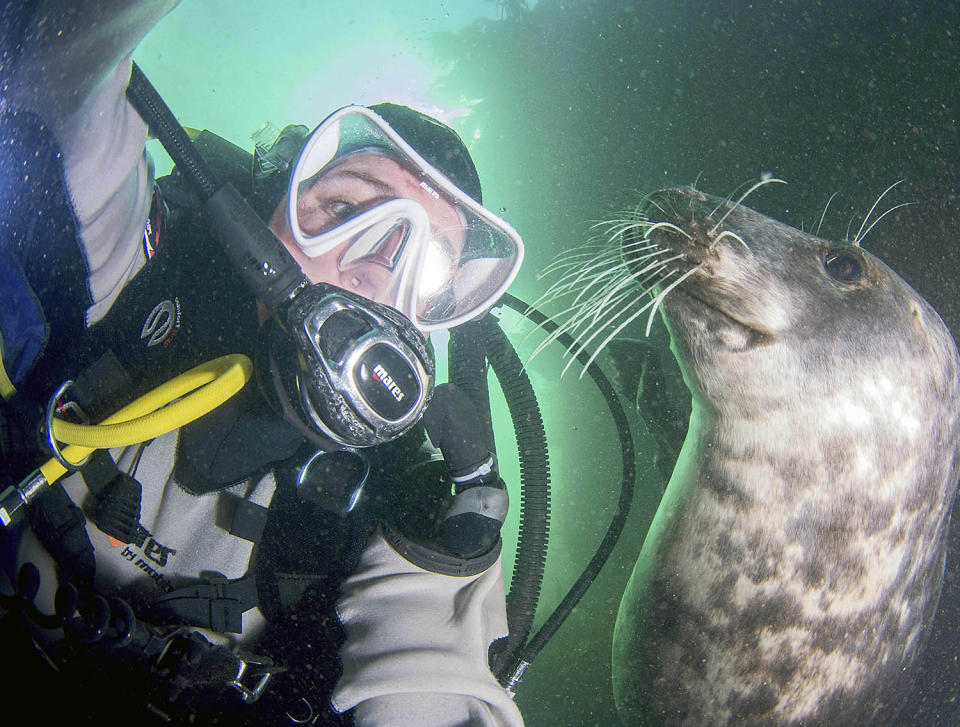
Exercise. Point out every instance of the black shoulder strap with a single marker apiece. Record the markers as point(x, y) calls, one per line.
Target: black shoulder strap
point(216, 604)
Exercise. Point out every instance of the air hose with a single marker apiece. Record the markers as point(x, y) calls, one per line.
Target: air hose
point(471, 345)
point(467, 358)
point(175, 139)
point(516, 654)
point(268, 269)
point(149, 416)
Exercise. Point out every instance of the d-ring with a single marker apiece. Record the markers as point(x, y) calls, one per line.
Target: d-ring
point(51, 440)
point(308, 718)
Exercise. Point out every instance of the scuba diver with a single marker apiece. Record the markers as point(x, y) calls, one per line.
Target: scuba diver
point(292, 556)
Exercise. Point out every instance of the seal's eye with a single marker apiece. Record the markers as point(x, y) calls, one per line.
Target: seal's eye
point(841, 266)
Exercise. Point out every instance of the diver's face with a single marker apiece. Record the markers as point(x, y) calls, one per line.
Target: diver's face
point(357, 184)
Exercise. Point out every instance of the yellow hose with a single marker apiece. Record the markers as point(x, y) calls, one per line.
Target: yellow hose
point(153, 414)
point(6, 386)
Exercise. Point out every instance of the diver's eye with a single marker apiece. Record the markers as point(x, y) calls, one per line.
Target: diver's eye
point(841, 266)
point(341, 211)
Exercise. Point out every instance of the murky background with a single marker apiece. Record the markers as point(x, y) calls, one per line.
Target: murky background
point(572, 108)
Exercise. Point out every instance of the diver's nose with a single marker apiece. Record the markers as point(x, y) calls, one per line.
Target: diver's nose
point(388, 249)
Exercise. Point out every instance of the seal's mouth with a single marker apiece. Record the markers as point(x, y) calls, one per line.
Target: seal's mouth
point(684, 307)
point(651, 259)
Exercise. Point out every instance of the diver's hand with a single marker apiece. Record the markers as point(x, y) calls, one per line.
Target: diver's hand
point(472, 524)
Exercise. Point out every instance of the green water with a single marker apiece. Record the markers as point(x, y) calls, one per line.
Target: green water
point(571, 109)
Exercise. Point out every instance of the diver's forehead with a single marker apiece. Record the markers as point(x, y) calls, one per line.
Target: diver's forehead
point(376, 169)
point(387, 177)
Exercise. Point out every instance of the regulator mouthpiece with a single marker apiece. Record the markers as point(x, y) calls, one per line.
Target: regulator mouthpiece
point(364, 373)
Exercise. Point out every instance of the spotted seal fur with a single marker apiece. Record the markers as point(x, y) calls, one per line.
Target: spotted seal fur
point(793, 567)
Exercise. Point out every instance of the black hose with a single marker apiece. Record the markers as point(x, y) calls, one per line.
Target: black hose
point(466, 354)
point(266, 266)
point(534, 529)
point(470, 347)
point(523, 656)
point(164, 125)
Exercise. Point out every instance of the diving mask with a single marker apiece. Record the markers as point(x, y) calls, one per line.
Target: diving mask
point(390, 221)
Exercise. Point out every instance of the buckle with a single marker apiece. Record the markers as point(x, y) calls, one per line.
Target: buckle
point(189, 661)
point(265, 672)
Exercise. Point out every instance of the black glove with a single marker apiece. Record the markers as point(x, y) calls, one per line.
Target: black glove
point(472, 524)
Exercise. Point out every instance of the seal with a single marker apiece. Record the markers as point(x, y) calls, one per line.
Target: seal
point(795, 562)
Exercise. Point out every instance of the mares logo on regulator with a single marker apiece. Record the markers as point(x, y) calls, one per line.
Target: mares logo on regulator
point(384, 377)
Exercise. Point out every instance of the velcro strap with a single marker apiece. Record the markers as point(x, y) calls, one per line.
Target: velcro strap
point(99, 471)
point(102, 387)
point(248, 520)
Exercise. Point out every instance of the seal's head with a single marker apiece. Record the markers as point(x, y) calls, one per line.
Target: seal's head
point(844, 324)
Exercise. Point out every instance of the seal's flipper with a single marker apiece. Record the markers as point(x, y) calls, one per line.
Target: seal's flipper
point(652, 380)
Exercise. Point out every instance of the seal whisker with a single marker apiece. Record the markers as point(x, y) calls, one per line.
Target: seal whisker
point(566, 261)
point(725, 201)
point(857, 238)
point(624, 225)
point(667, 226)
point(582, 311)
point(756, 186)
point(728, 233)
point(663, 294)
point(660, 263)
point(627, 281)
point(557, 292)
point(591, 316)
point(634, 232)
point(654, 302)
point(623, 294)
point(572, 258)
point(639, 246)
point(825, 208)
point(846, 235)
point(652, 279)
point(582, 314)
point(653, 203)
point(582, 341)
point(633, 277)
point(600, 281)
point(593, 307)
point(578, 269)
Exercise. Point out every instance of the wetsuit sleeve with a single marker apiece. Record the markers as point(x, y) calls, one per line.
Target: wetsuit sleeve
point(417, 642)
point(72, 69)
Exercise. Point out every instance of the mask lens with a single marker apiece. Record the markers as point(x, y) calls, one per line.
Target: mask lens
point(438, 269)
